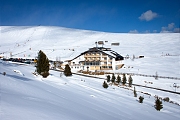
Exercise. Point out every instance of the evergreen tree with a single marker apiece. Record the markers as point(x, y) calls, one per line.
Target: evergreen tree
point(42, 67)
point(118, 79)
point(158, 104)
point(135, 94)
point(130, 81)
point(105, 85)
point(108, 78)
point(141, 99)
point(124, 79)
point(113, 78)
point(67, 70)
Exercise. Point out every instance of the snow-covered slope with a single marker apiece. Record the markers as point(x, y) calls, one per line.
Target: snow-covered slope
point(161, 51)
point(56, 41)
point(24, 96)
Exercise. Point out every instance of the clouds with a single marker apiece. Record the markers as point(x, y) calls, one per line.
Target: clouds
point(170, 29)
point(133, 31)
point(148, 15)
point(176, 30)
point(171, 26)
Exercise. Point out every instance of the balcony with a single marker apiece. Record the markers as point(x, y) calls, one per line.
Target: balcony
point(109, 60)
point(102, 60)
point(92, 55)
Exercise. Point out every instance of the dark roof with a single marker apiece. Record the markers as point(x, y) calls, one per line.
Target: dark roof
point(103, 50)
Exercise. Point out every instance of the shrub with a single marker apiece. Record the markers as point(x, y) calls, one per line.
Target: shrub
point(135, 94)
point(141, 99)
point(105, 85)
point(4, 73)
point(124, 79)
point(67, 71)
point(130, 81)
point(118, 79)
point(45, 74)
point(158, 103)
point(166, 99)
point(113, 78)
point(108, 78)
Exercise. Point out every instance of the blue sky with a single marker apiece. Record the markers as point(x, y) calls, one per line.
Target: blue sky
point(135, 16)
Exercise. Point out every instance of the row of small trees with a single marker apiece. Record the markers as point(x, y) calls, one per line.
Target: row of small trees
point(118, 80)
point(158, 102)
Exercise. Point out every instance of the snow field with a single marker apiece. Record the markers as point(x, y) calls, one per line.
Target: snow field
point(71, 98)
point(25, 96)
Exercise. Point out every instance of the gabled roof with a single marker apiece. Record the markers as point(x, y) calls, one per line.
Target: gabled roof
point(103, 50)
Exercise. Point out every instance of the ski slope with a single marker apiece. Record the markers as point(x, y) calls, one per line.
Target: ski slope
point(160, 51)
point(25, 96)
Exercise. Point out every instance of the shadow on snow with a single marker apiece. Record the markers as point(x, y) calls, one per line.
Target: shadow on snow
point(19, 77)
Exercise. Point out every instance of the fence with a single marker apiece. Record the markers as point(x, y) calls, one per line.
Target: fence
point(155, 76)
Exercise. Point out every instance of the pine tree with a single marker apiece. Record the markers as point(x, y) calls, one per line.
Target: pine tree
point(67, 70)
point(130, 81)
point(42, 67)
point(118, 79)
point(108, 78)
point(113, 78)
point(105, 85)
point(158, 104)
point(141, 99)
point(124, 79)
point(135, 94)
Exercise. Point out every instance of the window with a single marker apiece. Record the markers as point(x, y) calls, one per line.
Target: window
point(104, 66)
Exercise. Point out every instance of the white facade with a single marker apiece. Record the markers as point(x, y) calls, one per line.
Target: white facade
point(95, 60)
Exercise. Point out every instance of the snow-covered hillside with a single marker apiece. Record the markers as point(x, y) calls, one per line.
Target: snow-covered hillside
point(161, 51)
point(55, 41)
point(25, 96)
